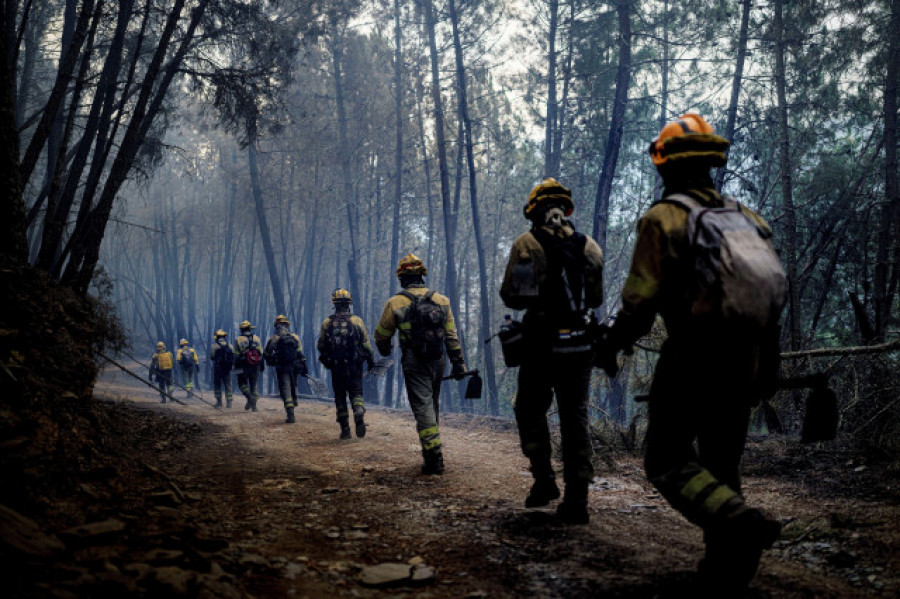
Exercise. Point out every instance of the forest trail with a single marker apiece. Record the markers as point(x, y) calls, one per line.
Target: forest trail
point(296, 512)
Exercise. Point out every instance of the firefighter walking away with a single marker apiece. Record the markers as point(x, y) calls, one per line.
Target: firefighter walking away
point(285, 353)
point(555, 274)
point(344, 347)
point(720, 356)
point(426, 331)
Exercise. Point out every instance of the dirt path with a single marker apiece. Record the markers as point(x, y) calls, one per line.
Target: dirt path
point(301, 514)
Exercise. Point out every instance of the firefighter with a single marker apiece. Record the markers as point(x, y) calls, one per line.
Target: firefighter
point(344, 346)
point(555, 274)
point(189, 363)
point(221, 356)
point(426, 331)
point(709, 374)
point(248, 364)
point(285, 353)
point(161, 366)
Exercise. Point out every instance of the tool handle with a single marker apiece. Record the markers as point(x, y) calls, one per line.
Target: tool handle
point(465, 374)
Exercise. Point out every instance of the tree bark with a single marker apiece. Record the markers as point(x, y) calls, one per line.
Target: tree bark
point(889, 223)
point(616, 126)
point(550, 162)
point(274, 278)
point(441, 143)
point(736, 84)
point(13, 241)
point(790, 233)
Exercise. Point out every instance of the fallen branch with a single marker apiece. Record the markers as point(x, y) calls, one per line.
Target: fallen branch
point(142, 379)
point(842, 351)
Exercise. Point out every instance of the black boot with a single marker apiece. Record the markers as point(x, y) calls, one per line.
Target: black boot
point(218, 403)
point(734, 547)
point(345, 429)
point(573, 508)
point(543, 491)
point(290, 416)
point(434, 462)
point(360, 425)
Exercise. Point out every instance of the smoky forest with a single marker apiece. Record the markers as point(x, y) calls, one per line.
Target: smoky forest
point(175, 168)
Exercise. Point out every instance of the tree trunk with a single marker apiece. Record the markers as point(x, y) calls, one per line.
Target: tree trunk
point(616, 126)
point(736, 83)
point(790, 234)
point(441, 143)
point(889, 223)
point(13, 241)
point(550, 162)
point(485, 306)
point(274, 279)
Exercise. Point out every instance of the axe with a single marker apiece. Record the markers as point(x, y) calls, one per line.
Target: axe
point(473, 388)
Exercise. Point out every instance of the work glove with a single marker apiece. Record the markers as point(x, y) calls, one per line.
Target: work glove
point(370, 363)
point(458, 371)
point(262, 366)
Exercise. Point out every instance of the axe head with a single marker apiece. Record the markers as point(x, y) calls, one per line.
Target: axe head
point(473, 387)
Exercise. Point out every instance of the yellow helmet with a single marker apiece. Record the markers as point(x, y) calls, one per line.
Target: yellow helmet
point(689, 137)
point(246, 325)
point(160, 345)
point(549, 190)
point(282, 319)
point(341, 295)
point(411, 264)
point(220, 333)
point(183, 342)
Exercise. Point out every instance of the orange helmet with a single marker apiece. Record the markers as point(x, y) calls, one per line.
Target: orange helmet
point(689, 137)
point(411, 264)
point(549, 190)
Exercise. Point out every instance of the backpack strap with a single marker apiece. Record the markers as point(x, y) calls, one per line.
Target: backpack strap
point(408, 294)
point(681, 199)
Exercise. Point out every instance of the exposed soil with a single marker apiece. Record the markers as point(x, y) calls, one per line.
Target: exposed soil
point(193, 501)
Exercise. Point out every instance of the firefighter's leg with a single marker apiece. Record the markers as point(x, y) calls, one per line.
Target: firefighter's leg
point(253, 379)
point(339, 382)
point(355, 390)
point(163, 388)
point(572, 384)
point(226, 384)
point(419, 381)
point(533, 398)
point(243, 380)
point(188, 375)
point(679, 414)
point(217, 388)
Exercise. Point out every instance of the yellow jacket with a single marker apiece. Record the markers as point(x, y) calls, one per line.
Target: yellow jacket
point(397, 316)
point(192, 355)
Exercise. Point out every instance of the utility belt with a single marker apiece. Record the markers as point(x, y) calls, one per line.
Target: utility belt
point(518, 339)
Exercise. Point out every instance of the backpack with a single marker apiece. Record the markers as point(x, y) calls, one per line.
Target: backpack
point(224, 357)
point(164, 361)
point(427, 325)
point(341, 339)
point(286, 347)
point(252, 356)
point(187, 358)
point(738, 275)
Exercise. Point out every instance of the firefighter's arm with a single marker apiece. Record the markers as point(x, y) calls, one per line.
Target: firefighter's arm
point(641, 291)
point(366, 347)
point(452, 345)
point(593, 273)
point(387, 325)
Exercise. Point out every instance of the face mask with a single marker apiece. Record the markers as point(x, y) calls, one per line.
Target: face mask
point(554, 218)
